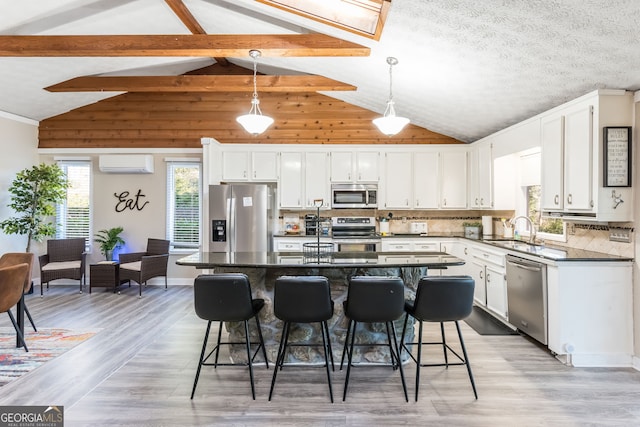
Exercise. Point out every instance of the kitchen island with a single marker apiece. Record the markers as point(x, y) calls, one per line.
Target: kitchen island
point(263, 268)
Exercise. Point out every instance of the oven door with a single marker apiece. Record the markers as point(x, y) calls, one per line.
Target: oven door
point(357, 245)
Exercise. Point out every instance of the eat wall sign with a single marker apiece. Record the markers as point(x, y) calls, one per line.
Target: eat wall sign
point(127, 201)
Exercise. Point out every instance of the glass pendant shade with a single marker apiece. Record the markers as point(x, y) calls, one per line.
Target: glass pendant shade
point(390, 124)
point(254, 122)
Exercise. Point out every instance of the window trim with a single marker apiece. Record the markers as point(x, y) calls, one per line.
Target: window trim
point(170, 164)
point(65, 162)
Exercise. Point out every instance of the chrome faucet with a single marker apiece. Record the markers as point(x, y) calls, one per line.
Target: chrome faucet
point(532, 234)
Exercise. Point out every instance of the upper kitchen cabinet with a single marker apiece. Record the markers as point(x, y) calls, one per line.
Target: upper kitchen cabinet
point(573, 158)
point(259, 166)
point(481, 176)
point(316, 180)
point(291, 182)
point(304, 178)
point(453, 180)
point(360, 166)
point(411, 180)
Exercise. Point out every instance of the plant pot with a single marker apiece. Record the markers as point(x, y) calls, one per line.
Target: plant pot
point(109, 255)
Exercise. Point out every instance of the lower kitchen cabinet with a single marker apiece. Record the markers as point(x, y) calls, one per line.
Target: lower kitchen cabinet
point(488, 271)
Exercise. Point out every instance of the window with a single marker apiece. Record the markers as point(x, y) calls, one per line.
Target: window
point(546, 227)
point(73, 215)
point(184, 204)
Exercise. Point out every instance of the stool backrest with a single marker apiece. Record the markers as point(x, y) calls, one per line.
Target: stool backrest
point(302, 299)
point(225, 297)
point(12, 285)
point(375, 298)
point(444, 298)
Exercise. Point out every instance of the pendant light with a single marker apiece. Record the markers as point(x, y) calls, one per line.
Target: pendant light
point(389, 123)
point(254, 122)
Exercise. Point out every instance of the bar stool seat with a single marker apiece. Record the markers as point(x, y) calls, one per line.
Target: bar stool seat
point(440, 299)
point(227, 298)
point(374, 299)
point(303, 299)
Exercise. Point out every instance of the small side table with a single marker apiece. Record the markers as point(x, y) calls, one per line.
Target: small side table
point(105, 274)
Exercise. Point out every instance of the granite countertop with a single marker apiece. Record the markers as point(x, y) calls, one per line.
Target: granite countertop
point(551, 252)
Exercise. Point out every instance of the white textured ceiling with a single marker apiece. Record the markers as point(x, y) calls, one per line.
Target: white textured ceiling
point(466, 68)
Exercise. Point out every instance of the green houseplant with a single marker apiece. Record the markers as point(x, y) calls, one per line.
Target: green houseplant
point(472, 230)
point(34, 194)
point(109, 239)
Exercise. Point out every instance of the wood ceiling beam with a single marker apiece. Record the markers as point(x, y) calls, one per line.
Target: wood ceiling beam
point(194, 45)
point(184, 14)
point(199, 83)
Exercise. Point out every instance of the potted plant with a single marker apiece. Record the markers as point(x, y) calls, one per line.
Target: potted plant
point(472, 230)
point(108, 240)
point(34, 194)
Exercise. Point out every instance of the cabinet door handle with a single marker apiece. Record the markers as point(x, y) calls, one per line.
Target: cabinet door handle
point(465, 251)
point(349, 176)
point(569, 199)
point(417, 202)
point(444, 202)
point(406, 202)
point(254, 174)
point(444, 249)
point(476, 200)
point(244, 174)
point(482, 202)
point(556, 200)
point(481, 274)
point(488, 278)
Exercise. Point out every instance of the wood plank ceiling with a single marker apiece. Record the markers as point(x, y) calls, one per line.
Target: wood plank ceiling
point(177, 111)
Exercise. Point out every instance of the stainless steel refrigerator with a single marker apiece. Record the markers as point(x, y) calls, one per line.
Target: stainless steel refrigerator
point(241, 217)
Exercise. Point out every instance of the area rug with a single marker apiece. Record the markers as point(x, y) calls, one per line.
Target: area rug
point(485, 324)
point(44, 345)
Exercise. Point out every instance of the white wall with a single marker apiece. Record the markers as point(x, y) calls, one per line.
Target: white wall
point(18, 143)
point(138, 224)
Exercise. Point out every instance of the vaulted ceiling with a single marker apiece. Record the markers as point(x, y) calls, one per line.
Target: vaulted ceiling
point(466, 68)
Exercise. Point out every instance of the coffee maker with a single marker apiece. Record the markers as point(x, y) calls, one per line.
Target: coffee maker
point(311, 224)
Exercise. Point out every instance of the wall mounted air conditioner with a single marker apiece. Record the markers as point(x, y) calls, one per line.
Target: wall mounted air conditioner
point(126, 163)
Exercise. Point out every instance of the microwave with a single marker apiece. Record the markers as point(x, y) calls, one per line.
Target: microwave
point(354, 196)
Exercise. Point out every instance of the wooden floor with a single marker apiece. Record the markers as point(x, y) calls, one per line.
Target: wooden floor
point(138, 371)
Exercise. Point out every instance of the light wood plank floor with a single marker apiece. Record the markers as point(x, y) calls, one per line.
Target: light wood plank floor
point(138, 371)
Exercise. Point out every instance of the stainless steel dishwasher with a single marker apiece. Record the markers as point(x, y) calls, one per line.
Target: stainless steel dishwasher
point(527, 296)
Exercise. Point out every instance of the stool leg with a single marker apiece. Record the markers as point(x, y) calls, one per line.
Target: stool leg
point(397, 352)
point(466, 360)
point(404, 329)
point(326, 345)
point(444, 345)
point(280, 356)
point(419, 359)
point(204, 348)
point(215, 362)
point(264, 350)
point(349, 356)
point(346, 341)
point(326, 328)
point(18, 332)
point(26, 310)
point(246, 338)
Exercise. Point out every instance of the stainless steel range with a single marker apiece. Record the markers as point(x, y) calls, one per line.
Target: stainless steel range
point(355, 234)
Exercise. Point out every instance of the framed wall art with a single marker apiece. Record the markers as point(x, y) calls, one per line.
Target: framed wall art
point(617, 156)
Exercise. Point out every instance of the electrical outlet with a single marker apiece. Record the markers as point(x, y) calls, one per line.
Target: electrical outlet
point(620, 235)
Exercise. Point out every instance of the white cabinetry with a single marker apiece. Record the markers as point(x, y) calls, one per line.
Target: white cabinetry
point(316, 179)
point(259, 166)
point(360, 166)
point(290, 185)
point(425, 180)
point(295, 244)
point(398, 181)
point(572, 157)
point(488, 270)
point(480, 173)
point(453, 180)
point(410, 245)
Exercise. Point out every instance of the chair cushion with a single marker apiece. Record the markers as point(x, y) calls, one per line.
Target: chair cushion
point(135, 266)
point(63, 265)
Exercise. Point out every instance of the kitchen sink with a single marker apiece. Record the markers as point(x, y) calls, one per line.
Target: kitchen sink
point(531, 248)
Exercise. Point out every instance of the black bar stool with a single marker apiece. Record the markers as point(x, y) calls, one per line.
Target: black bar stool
point(303, 299)
point(441, 299)
point(374, 299)
point(227, 298)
